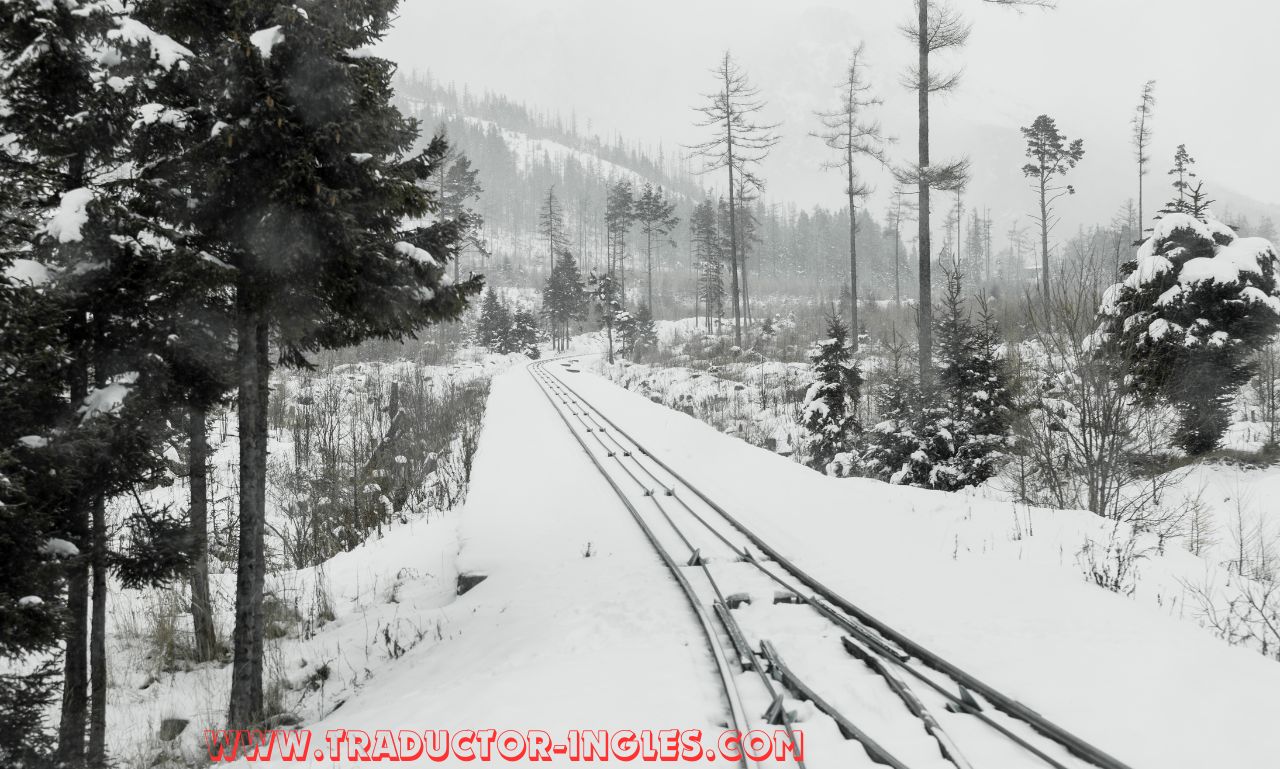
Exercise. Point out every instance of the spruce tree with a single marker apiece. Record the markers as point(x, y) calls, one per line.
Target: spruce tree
point(564, 299)
point(829, 409)
point(1192, 310)
point(299, 175)
point(656, 217)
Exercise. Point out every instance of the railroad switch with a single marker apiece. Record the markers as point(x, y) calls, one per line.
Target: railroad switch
point(738, 599)
point(782, 597)
point(695, 559)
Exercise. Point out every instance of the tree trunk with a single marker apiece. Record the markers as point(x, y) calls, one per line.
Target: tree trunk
point(97, 754)
point(206, 639)
point(75, 676)
point(925, 308)
point(262, 348)
point(1044, 239)
point(853, 259)
point(648, 257)
point(244, 708)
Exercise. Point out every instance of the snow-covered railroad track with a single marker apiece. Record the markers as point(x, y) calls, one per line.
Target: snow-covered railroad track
point(727, 568)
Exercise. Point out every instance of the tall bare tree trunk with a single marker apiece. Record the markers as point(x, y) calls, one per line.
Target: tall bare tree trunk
point(1044, 239)
point(853, 255)
point(925, 301)
point(244, 708)
point(206, 639)
point(97, 753)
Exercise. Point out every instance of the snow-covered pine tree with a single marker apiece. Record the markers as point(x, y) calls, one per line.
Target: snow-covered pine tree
point(974, 393)
point(525, 335)
point(606, 299)
point(891, 448)
point(636, 332)
point(69, 80)
point(1193, 308)
point(829, 411)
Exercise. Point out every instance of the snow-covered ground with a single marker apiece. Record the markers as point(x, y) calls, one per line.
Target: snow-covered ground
point(577, 624)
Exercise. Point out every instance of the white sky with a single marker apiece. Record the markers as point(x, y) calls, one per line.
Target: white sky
point(638, 68)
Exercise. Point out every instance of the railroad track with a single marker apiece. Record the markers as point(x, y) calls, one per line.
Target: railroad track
point(773, 630)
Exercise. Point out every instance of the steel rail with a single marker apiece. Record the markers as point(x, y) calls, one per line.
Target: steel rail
point(1011, 707)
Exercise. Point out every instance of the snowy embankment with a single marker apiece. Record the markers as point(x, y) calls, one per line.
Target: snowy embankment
point(334, 629)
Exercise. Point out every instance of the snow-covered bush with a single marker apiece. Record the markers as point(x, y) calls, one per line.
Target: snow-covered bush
point(1194, 306)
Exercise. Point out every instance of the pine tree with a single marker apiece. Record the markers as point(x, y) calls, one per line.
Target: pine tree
point(524, 335)
point(493, 327)
point(830, 406)
point(298, 173)
point(707, 256)
point(636, 332)
point(741, 142)
point(564, 299)
point(1192, 310)
point(1142, 118)
point(891, 446)
point(656, 217)
point(551, 227)
point(606, 298)
point(620, 215)
point(1052, 156)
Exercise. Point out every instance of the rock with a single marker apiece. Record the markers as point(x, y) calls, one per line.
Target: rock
point(170, 728)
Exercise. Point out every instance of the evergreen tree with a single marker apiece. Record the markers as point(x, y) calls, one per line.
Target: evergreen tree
point(606, 299)
point(620, 215)
point(564, 299)
point(551, 227)
point(891, 447)
point(830, 406)
point(656, 217)
point(974, 392)
point(708, 259)
point(525, 336)
point(636, 332)
point(299, 174)
point(1051, 156)
point(1192, 310)
point(493, 327)
point(740, 144)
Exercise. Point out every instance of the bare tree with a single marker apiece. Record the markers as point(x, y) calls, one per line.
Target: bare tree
point(853, 136)
point(900, 211)
point(741, 142)
point(1142, 139)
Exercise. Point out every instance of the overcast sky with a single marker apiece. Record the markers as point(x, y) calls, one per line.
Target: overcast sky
point(638, 68)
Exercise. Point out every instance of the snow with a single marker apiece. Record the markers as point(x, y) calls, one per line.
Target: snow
point(420, 255)
point(150, 114)
point(165, 51)
point(1212, 269)
point(27, 271)
point(33, 441)
point(72, 214)
point(108, 399)
point(265, 40)
point(29, 601)
point(59, 547)
point(1008, 603)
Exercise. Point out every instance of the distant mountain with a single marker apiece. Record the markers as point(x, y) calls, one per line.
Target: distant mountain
point(522, 153)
